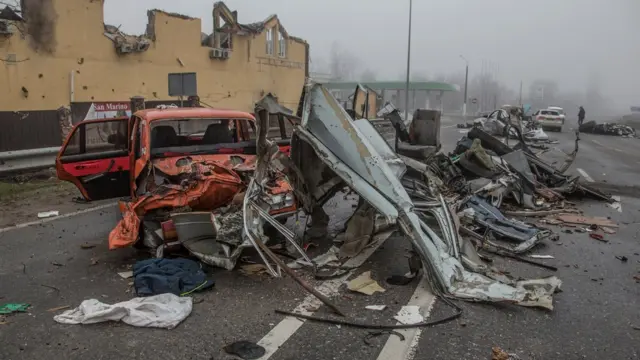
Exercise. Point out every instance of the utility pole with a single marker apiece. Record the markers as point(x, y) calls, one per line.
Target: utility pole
point(466, 85)
point(520, 93)
point(406, 90)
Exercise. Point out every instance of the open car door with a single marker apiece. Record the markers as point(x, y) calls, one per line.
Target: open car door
point(95, 157)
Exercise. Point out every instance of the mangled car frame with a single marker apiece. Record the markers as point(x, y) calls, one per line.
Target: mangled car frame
point(176, 165)
point(329, 149)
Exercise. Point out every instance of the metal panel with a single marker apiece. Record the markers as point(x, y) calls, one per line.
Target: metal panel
point(29, 130)
point(183, 84)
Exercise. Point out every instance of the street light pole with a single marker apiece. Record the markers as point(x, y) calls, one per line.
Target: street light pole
point(466, 84)
point(406, 90)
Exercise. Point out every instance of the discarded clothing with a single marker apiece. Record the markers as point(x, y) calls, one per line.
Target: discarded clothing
point(174, 276)
point(11, 308)
point(161, 311)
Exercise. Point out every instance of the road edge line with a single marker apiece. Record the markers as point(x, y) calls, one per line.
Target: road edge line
point(64, 216)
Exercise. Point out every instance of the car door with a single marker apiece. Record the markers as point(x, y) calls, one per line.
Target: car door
point(95, 157)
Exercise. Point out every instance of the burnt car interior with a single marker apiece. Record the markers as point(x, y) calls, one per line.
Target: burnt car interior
point(201, 136)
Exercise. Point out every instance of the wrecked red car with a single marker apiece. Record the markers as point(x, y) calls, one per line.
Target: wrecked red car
point(167, 160)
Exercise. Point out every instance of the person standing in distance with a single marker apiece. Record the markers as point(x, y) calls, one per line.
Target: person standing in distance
point(581, 114)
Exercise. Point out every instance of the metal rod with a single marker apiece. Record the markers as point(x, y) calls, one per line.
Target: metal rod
point(325, 300)
point(406, 91)
point(466, 85)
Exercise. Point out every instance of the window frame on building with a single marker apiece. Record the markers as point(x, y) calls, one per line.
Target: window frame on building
point(282, 44)
point(269, 41)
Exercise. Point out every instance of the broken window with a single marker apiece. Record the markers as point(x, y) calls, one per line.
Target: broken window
point(282, 45)
point(270, 41)
point(98, 137)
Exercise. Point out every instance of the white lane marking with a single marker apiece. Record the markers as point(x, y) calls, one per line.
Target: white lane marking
point(449, 126)
point(395, 349)
point(585, 175)
point(37, 222)
point(289, 325)
point(617, 205)
point(597, 142)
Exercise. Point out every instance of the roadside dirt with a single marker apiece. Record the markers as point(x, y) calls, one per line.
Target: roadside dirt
point(22, 199)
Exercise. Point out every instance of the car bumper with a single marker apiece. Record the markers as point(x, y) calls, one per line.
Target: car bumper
point(550, 123)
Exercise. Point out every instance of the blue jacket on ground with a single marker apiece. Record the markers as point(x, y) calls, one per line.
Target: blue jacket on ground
point(175, 276)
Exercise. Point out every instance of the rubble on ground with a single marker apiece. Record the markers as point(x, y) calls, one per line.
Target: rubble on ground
point(614, 129)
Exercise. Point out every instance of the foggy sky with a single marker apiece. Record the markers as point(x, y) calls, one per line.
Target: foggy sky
point(571, 41)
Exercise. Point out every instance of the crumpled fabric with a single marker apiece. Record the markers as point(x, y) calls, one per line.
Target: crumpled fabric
point(161, 311)
point(174, 276)
point(476, 150)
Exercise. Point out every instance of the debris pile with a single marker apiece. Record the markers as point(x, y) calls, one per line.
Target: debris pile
point(125, 43)
point(432, 197)
point(456, 209)
point(608, 129)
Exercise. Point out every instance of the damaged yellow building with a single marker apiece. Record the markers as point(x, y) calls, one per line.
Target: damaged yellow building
point(60, 53)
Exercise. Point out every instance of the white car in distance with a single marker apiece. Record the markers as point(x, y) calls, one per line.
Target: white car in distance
point(559, 110)
point(551, 118)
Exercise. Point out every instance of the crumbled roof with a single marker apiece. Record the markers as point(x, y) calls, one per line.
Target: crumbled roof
point(180, 16)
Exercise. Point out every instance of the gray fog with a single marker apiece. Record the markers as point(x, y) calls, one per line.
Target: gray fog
point(578, 44)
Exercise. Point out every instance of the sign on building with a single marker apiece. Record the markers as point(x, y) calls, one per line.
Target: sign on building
point(108, 110)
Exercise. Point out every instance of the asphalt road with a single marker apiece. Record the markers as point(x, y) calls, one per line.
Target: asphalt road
point(594, 316)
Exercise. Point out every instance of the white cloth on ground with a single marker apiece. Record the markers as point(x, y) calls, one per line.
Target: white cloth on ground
point(159, 311)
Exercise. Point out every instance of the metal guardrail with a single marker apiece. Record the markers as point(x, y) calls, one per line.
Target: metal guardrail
point(13, 162)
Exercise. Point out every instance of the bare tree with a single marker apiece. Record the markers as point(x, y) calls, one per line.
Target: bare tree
point(343, 63)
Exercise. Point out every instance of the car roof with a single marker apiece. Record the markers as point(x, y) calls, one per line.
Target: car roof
point(176, 113)
point(554, 108)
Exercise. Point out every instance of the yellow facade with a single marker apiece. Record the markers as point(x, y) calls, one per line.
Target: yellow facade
point(83, 65)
